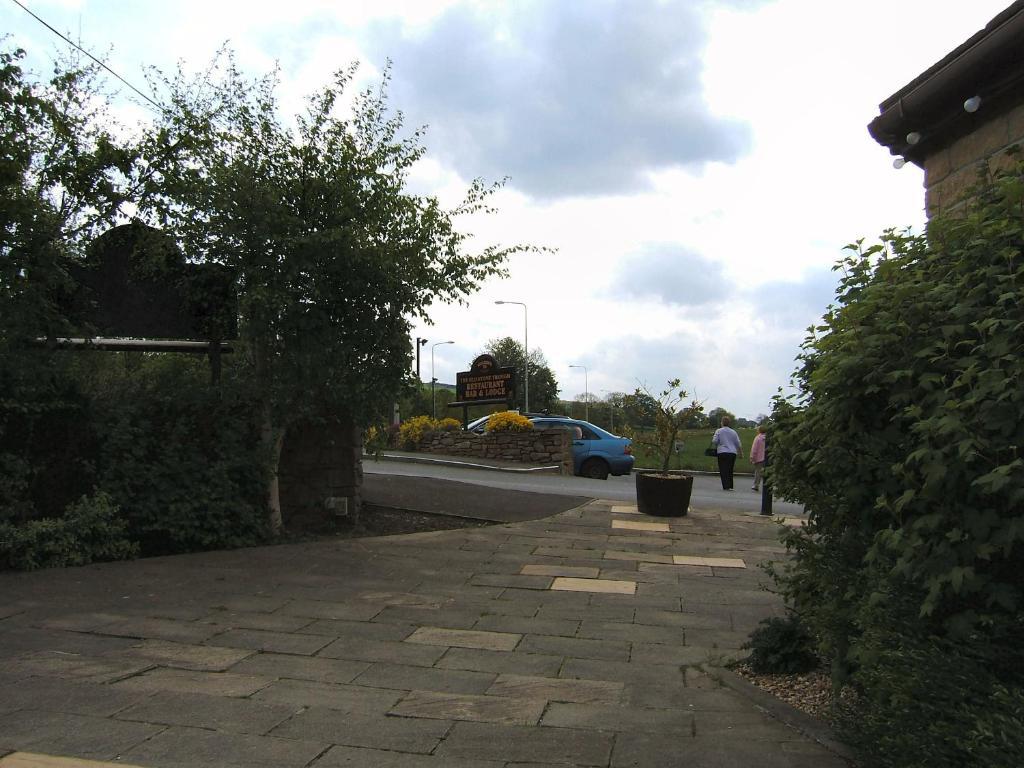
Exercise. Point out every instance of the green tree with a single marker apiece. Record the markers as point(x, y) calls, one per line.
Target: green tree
point(543, 386)
point(904, 445)
point(62, 177)
point(715, 416)
point(334, 257)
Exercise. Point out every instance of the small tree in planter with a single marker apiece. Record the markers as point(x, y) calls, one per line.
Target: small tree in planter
point(662, 493)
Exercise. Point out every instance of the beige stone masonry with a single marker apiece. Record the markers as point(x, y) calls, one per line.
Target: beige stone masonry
point(465, 638)
point(633, 525)
point(606, 586)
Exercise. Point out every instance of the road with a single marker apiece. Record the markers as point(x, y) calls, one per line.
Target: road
point(707, 490)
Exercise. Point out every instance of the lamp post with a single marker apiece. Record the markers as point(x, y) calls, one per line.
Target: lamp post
point(419, 343)
point(433, 398)
point(586, 391)
point(526, 352)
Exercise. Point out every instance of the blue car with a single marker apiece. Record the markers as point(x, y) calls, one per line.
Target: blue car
point(595, 453)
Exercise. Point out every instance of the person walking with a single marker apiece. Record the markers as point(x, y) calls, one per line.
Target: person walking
point(757, 457)
point(727, 446)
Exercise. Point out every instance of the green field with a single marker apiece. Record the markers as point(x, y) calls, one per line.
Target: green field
point(692, 456)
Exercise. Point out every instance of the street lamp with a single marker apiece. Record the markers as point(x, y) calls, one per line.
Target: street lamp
point(433, 399)
point(586, 392)
point(526, 352)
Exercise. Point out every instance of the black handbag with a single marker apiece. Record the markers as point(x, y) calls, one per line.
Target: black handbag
point(712, 451)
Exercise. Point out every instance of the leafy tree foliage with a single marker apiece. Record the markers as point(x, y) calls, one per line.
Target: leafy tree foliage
point(62, 177)
point(333, 256)
point(543, 385)
point(904, 445)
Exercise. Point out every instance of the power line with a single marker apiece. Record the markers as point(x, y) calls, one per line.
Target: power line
point(80, 48)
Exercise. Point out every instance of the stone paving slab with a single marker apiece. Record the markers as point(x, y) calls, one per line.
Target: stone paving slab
point(557, 689)
point(187, 681)
point(608, 586)
point(201, 658)
point(215, 713)
point(402, 734)
point(500, 661)
point(190, 747)
point(336, 696)
point(517, 744)
point(275, 665)
point(30, 760)
point(481, 709)
point(360, 757)
point(98, 738)
point(462, 638)
point(405, 678)
point(438, 650)
point(636, 525)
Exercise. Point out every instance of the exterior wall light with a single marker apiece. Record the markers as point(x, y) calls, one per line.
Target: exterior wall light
point(913, 138)
point(899, 162)
point(972, 104)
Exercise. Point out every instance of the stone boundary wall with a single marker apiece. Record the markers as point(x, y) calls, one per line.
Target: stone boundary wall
point(951, 171)
point(547, 447)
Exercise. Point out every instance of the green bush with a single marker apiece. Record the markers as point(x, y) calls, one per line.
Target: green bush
point(904, 445)
point(412, 431)
point(90, 531)
point(781, 646)
point(508, 421)
point(181, 458)
point(951, 710)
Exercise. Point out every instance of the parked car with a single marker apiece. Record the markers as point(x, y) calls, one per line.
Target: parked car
point(595, 452)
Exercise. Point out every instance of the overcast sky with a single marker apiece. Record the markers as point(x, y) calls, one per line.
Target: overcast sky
point(697, 165)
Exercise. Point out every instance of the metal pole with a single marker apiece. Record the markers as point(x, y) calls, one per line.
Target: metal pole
point(419, 343)
point(766, 491)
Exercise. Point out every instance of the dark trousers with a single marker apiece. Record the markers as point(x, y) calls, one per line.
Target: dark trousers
point(726, 462)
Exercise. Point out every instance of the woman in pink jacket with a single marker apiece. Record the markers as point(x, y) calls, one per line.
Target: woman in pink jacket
point(757, 457)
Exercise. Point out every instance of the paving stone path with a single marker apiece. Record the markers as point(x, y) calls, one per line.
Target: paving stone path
point(574, 640)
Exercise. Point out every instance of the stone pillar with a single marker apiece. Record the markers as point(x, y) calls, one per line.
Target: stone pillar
point(321, 474)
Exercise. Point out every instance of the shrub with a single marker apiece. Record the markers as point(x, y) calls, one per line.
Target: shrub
point(90, 531)
point(508, 421)
point(448, 425)
point(904, 445)
point(781, 646)
point(413, 430)
point(181, 458)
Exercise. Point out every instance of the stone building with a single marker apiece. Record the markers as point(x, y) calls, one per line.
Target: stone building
point(963, 111)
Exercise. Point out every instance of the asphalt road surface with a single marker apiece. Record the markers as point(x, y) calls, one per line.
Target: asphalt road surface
point(707, 490)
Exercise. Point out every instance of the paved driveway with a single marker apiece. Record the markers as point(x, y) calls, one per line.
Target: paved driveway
point(576, 640)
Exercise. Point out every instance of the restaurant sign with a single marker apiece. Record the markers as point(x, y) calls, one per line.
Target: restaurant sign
point(485, 381)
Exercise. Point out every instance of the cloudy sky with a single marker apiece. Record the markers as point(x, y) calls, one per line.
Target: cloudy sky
point(696, 165)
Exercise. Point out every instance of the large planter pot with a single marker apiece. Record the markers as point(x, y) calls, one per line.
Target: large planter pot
point(663, 495)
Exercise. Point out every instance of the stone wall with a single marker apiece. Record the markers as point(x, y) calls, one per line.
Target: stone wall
point(551, 447)
point(951, 171)
point(320, 474)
